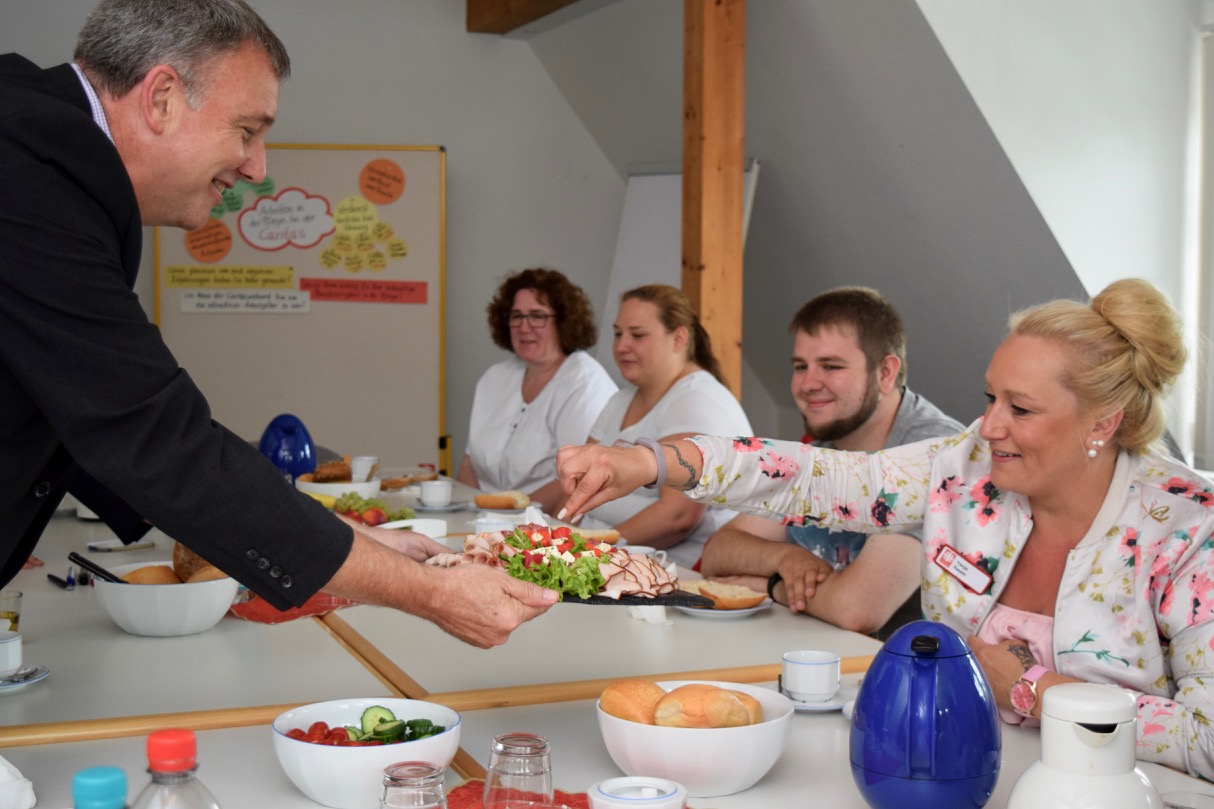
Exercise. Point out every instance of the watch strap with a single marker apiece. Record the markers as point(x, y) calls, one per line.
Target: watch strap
point(1028, 682)
point(772, 581)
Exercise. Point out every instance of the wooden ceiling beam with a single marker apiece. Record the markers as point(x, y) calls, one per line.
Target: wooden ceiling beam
point(504, 16)
point(714, 143)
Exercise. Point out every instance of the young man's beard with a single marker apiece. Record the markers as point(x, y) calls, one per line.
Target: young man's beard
point(833, 431)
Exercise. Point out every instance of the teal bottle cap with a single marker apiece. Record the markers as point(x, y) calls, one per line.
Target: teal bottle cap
point(99, 788)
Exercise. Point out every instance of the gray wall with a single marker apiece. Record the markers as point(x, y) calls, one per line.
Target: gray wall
point(526, 184)
point(879, 167)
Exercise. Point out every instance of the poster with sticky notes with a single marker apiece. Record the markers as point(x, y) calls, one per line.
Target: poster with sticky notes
point(319, 291)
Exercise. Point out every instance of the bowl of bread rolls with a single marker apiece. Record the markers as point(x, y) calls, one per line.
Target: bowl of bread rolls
point(715, 738)
point(184, 596)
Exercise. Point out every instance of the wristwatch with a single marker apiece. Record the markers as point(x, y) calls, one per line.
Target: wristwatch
point(1024, 691)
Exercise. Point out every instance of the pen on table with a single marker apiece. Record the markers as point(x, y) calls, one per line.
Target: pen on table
point(71, 580)
point(66, 584)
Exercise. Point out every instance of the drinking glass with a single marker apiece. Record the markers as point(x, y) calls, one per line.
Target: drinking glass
point(415, 785)
point(519, 773)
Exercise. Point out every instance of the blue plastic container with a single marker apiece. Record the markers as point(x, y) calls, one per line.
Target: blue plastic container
point(924, 730)
point(288, 445)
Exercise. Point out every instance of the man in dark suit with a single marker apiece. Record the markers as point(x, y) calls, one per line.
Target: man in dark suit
point(166, 104)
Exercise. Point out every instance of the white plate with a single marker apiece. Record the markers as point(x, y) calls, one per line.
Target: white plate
point(40, 673)
point(835, 703)
point(430, 527)
point(724, 615)
point(455, 505)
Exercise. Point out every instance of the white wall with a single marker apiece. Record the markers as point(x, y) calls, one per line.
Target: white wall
point(526, 184)
point(1095, 103)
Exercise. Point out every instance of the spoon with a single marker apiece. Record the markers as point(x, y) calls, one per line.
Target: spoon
point(19, 676)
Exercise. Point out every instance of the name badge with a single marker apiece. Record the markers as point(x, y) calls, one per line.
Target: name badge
point(974, 578)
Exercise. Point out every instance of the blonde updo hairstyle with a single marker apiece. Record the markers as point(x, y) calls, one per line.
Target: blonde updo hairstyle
point(1125, 348)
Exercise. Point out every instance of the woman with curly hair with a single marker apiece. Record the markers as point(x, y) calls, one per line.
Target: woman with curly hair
point(546, 395)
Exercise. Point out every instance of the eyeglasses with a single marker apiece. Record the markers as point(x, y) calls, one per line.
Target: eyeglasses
point(537, 320)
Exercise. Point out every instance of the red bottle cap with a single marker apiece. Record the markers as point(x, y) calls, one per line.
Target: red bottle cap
point(172, 750)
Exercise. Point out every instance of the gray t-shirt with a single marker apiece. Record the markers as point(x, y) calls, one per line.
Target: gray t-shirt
point(917, 420)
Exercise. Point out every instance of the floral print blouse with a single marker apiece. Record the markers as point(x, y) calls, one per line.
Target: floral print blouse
point(1135, 602)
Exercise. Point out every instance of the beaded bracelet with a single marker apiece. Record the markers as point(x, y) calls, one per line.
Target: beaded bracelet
point(660, 455)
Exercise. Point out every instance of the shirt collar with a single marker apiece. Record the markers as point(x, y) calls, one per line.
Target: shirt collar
point(94, 103)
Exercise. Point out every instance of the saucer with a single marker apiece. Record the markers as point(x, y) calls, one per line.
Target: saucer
point(454, 505)
point(835, 703)
point(40, 673)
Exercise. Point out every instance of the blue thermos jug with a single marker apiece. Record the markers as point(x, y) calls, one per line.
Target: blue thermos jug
point(925, 731)
point(288, 445)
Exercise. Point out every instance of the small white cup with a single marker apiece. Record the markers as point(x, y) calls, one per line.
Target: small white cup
point(436, 492)
point(361, 467)
point(10, 652)
point(809, 676)
point(633, 792)
point(659, 556)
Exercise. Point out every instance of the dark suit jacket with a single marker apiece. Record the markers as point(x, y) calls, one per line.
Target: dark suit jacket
point(86, 379)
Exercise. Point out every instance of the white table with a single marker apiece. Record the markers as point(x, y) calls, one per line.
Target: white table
point(581, 642)
point(239, 765)
point(99, 671)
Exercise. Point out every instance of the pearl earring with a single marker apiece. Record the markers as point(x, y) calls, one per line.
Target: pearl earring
point(1096, 445)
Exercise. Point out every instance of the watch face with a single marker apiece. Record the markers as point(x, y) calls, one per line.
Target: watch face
point(1023, 696)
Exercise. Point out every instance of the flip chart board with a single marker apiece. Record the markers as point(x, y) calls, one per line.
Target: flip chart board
point(319, 292)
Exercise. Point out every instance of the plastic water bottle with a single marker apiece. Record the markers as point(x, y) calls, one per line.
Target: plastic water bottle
point(99, 788)
point(172, 762)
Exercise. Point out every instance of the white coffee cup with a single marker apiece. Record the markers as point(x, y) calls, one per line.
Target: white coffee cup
point(361, 467)
point(10, 652)
point(659, 556)
point(809, 676)
point(436, 492)
point(485, 525)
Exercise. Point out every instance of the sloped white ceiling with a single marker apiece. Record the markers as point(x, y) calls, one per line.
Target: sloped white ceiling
point(878, 169)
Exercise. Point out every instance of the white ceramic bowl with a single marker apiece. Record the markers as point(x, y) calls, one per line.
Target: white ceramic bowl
point(366, 489)
point(352, 777)
point(708, 761)
point(422, 525)
point(162, 610)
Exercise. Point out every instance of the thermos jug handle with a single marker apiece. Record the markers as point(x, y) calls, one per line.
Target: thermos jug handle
point(922, 722)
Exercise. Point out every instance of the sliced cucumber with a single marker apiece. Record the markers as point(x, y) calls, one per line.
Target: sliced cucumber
point(375, 716)
point(356, 734)
point(390, 732)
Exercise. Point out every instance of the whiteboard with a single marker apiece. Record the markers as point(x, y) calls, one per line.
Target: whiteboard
point(649, 249)
point(319, 292)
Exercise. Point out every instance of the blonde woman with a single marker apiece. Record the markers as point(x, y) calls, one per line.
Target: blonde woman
point(1056, 534)
point(674, 390)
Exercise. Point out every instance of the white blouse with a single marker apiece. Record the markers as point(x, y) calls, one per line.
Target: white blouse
point(696, 404)
point(512, 444)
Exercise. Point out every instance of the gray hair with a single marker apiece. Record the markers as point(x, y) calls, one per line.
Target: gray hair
point(123, 39)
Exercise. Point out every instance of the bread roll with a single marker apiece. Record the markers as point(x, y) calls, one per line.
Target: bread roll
point(332, 472)
point(752, 705)
point(503, 501)
point(633, 700)
point(724, 596)
point(700, 705)
point(206, 573)
point(152, 574)
point(593, 536)
point(186, 563)
point(398, 483)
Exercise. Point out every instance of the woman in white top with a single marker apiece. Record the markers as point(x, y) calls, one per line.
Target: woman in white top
point(663, 351)
point(546, 395)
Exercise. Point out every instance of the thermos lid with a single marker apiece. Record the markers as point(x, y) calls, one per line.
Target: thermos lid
point(926, 639)
point(1090, 704)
